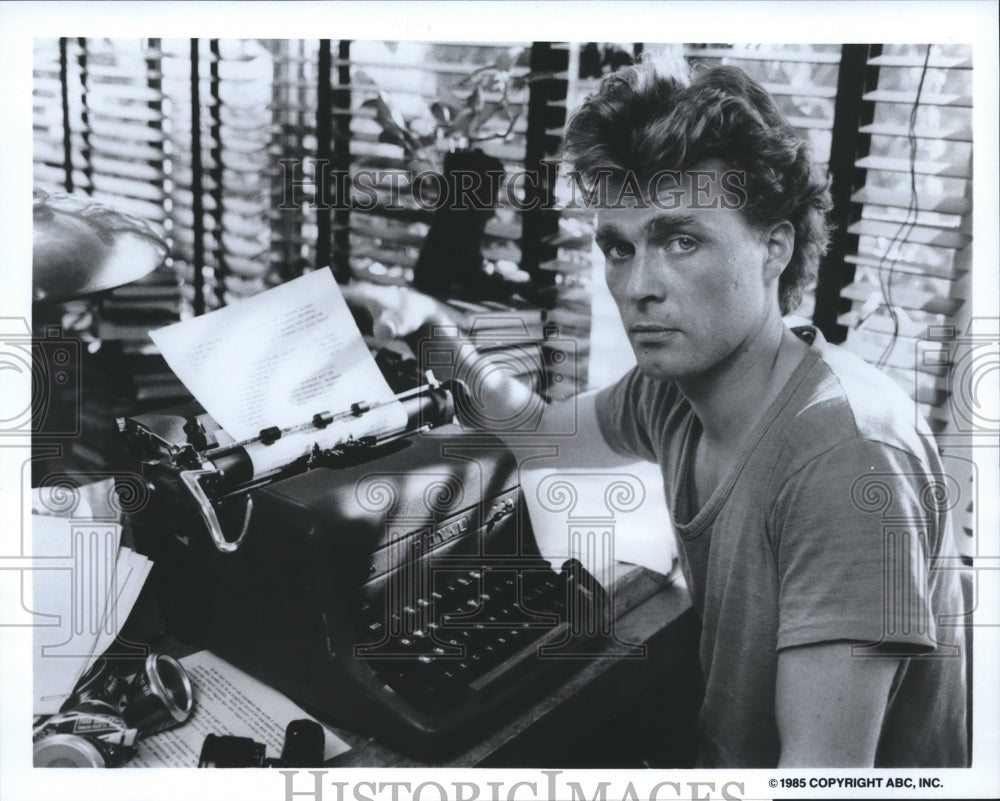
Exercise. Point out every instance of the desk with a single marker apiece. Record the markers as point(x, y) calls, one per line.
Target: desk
point(562, 719)
point(583, 720)
point(550, 728)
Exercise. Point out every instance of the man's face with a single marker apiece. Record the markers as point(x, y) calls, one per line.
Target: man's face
point(693, 279)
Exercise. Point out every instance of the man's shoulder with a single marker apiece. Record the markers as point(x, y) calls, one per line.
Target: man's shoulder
point(638, 414)
point(845, 398)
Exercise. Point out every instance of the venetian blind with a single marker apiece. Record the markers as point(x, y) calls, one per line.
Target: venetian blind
point(228, 148)
point(912, 215)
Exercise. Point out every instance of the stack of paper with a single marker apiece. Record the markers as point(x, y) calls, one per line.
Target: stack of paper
point(85, 584)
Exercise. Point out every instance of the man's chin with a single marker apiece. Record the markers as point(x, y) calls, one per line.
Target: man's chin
point(662, 369)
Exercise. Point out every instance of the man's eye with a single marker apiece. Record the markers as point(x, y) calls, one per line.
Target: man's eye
point(682, 244)
point(617, 251)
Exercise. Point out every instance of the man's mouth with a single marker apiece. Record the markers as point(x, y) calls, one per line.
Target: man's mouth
point(650, 332)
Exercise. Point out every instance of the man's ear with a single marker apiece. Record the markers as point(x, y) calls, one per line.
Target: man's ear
point(780, 246)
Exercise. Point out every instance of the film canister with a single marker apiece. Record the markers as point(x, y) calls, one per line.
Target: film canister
point(160, 695)
point(94, 722)
point(67, 751)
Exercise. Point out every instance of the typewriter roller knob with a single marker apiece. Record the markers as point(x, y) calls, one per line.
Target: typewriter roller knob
point(269, 435)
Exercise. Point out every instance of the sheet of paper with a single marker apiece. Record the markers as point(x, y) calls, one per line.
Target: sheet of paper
point(62, 648)
point(275, 359)
point(600, 517)
point(131, 571)
point(85, 586)
point(226, 701)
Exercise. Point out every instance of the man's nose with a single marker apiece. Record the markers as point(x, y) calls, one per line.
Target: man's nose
point(646, 278)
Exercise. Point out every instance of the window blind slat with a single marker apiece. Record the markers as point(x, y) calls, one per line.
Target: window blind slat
point(901, 200)
point(926, 99)
point(140, 171)
point(915, 234)
point(126, 188)
point(947, 271)
point(906, 298)
point(935, 62)
point(123, 151)
point(130, 93)
point(439, 67)
point(961, 133)
point(126, 131)
point(801, 90)
point(939, 168)
point(737, 52)
point(48, 152)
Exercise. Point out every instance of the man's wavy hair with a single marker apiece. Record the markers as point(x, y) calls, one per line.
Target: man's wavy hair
point(644, 122)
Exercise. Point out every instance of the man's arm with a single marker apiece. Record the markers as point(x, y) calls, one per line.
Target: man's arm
point(494, 393)
point(570, 426)
point(830, 705)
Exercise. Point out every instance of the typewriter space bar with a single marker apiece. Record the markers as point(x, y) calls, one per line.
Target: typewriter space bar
point(522, 665)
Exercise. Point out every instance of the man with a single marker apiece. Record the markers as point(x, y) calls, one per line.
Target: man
point(822, 641)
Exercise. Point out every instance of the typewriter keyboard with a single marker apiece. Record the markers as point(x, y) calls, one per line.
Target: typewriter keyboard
point(473, 633)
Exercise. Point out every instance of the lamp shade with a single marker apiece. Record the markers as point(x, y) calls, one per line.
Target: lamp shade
point(81, 246)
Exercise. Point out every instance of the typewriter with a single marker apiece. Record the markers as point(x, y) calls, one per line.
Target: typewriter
point(391, 585)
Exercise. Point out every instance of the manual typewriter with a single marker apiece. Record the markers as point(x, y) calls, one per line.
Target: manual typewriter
point(391, 585)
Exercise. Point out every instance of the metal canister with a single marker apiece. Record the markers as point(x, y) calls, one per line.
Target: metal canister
point(67, 751)
point(96, 722)
point(160, 695)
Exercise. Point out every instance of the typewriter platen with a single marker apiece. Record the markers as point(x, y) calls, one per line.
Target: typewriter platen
point(392, 586)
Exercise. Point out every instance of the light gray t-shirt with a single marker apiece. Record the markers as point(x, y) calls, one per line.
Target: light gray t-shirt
point(834, 526)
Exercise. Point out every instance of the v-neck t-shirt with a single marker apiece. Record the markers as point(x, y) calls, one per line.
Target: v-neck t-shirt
point(833, 526)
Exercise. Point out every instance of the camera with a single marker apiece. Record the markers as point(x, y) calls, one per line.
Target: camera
point(53, 362)
point(547, 365)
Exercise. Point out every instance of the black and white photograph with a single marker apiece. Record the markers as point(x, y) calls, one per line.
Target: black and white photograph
point(484, 402)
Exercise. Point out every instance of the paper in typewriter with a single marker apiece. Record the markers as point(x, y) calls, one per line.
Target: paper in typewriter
point(277, 359)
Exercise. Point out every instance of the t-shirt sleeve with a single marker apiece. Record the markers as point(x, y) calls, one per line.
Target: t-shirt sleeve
point(622, 416)
point(854, 545)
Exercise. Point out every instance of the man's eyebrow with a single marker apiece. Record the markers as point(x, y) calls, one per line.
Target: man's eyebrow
point(661, 224)
point(665, 223)
point(607, 232)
